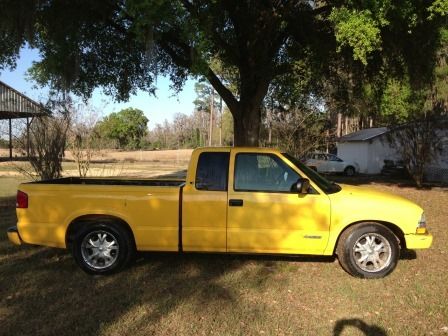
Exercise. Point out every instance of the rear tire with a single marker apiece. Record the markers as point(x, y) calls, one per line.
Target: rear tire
point(103, 248)
point(349, 171)
point(368, 250)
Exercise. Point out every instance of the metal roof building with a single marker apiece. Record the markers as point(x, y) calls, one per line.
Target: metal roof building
point(364, 134)
point(368, 148)
point(15, 105)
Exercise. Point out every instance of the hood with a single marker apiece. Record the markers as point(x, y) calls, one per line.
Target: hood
point(354, 204)
point(373, 195)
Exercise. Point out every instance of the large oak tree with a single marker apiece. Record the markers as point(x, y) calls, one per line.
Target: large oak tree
point(123, 45)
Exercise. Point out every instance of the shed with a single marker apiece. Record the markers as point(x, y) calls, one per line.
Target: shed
point(368, 147)
point(15, 105)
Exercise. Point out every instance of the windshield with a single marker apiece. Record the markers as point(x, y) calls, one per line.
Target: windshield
point(328, 187)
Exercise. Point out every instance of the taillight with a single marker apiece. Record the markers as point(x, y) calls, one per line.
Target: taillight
point(21, 200)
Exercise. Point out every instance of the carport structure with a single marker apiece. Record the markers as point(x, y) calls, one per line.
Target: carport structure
point(15, 105)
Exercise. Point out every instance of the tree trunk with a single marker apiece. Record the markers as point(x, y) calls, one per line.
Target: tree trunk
point(246, 111)
point(247, 128)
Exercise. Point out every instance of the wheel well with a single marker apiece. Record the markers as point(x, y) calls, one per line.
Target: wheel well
point(395, 229)
point(77, 224)
point(350, 166)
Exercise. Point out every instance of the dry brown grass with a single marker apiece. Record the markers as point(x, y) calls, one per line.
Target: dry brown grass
point(178, 155)
point(156, 155)
point(42, 292)
point(114, 163)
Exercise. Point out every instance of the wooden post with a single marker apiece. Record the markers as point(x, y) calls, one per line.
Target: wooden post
point(10, 140)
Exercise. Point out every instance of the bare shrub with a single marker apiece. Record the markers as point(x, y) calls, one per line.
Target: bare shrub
point(419, 143)
point(48, 137)
point(298, 130)
point(82, 139)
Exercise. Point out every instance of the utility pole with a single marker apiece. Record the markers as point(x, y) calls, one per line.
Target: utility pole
point(212, 100)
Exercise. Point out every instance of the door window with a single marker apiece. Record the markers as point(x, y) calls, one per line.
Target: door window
point(212, 171)
point(334, 158)
point(263, 172)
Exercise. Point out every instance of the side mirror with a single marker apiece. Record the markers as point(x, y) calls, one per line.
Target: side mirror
point(302, 186)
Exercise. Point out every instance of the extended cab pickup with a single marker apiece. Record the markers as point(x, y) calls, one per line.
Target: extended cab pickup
point(234, 200)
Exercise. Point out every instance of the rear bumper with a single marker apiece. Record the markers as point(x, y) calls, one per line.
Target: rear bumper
point(13, 235)
point(418, 241)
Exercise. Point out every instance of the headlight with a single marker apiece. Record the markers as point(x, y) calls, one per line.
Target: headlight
point(421, 226)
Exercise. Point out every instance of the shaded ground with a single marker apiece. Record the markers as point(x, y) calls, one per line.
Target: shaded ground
point(43, 292)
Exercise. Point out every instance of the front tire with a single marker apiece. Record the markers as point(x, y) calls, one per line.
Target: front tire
point(103, 248)
point(368, 250)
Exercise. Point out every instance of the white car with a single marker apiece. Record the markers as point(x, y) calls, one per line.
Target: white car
point(329, 163)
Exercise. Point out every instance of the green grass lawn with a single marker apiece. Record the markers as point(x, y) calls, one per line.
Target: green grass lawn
point(42, 291)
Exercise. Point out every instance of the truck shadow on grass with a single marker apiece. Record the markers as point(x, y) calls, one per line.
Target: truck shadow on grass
point(42, 291)
point(366, 329)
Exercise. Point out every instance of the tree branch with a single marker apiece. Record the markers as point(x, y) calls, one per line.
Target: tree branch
point(186, 62)
point(224, 92)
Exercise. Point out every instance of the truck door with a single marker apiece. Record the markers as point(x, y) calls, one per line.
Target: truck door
point(265, 215)
point(204, 205)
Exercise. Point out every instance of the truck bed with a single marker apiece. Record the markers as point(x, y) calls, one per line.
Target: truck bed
point(149, 206)
point(115, 181)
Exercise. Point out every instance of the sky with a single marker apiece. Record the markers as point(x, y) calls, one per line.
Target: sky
point(156, 108)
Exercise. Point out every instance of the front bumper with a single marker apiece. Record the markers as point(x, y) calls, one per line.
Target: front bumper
point(418, 241)
point(13, 235)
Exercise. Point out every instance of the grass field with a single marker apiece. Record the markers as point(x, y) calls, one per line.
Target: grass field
point(42, 291)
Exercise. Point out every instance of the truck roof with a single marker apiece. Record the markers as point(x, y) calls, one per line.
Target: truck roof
point(243, 149)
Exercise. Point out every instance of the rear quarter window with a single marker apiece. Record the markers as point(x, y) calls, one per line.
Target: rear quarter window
point(212, 171)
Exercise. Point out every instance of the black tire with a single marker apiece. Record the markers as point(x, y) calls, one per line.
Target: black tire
point(378, 262)
point(117, 248)
point(350, 171)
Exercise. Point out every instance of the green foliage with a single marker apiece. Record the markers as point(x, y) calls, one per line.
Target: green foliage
point(438, 8)
point(396, 101)
point(127, 127)
point(203, 99)
point(356, 29)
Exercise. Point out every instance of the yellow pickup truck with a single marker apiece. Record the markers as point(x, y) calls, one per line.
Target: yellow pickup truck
point(233, 200)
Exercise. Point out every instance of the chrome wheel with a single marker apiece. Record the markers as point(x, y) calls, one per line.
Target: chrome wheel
point(372, 252)
point(99, 249)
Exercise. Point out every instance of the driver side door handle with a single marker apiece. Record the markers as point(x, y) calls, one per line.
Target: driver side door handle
point(236, 202)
